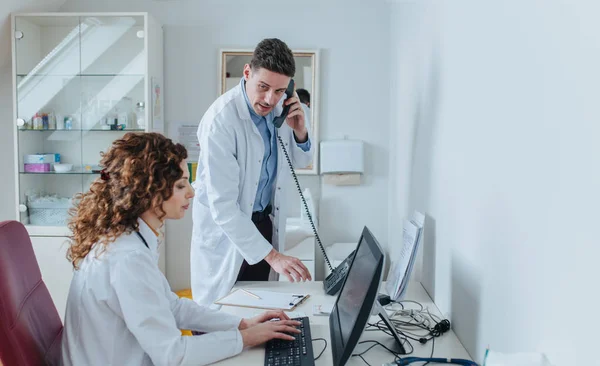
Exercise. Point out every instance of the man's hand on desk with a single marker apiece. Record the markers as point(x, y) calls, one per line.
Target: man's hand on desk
point(260, 329)
point(291, 267)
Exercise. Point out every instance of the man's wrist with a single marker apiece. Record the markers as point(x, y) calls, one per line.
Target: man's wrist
point(301, 136)
point(272, 254)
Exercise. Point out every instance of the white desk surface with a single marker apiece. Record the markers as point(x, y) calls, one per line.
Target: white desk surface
point(447, 345)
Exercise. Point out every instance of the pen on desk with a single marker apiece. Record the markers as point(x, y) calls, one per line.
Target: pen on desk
point(250, 293)
point(300, 297)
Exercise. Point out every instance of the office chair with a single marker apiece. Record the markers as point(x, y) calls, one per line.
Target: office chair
point(30, 327)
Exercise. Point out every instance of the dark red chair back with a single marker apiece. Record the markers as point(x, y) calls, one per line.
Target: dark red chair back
point(30, 327)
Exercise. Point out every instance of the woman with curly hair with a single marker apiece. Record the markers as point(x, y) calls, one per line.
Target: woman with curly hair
point(120, 309)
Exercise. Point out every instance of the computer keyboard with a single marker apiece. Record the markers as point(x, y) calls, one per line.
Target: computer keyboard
point(299, 352)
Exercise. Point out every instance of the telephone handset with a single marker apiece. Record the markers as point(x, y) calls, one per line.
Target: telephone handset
point(333, 282)
point(278, 121)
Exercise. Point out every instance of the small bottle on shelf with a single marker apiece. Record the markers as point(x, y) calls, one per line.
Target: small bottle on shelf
point(60, 122)
point(44, 121)
point(123, 120)
point(140, 115)
point(68, 123)
point(51, 121)
point(35, 122)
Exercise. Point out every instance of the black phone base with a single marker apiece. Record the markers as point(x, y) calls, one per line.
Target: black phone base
point(333, 282)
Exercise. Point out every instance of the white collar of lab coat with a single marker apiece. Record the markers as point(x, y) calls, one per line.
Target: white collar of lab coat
point(149, 235)
point(240, 101)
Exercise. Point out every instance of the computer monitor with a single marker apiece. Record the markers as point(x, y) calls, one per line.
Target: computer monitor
point(357, 298)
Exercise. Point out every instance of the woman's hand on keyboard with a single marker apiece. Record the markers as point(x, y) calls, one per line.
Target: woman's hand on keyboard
point(268, 330)
point(261, 318)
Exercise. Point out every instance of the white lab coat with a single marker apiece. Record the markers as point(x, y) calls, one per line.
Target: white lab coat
point(226, 185)
point(121, 311)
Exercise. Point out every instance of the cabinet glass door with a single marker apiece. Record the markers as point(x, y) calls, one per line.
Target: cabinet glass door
point(113, 68)
point(81, 84)
point(48, 89)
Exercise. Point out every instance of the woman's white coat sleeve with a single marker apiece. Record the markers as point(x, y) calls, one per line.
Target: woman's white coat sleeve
point(146, 310)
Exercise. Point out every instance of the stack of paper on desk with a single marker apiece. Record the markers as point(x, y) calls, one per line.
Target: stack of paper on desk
point(402, 267)
point(262, 299)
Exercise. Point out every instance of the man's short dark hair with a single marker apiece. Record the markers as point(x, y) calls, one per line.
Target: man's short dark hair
point(274, 55)
point(304, 96)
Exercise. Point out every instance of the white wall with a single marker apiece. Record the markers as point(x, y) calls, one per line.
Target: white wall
point(410, 45)
point(7, 183)
point(353, 39)
point(502, 110)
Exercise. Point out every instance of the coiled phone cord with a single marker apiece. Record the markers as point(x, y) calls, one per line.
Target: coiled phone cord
point(312, 224)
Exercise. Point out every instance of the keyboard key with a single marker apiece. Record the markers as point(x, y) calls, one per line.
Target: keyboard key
point(298, 352)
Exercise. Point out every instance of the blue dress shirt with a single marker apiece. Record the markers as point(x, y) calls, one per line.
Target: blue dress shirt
point(268, 169)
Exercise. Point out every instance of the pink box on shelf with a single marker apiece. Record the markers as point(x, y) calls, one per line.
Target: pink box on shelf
point(37, 167)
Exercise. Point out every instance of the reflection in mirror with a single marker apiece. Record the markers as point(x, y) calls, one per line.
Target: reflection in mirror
point(306, 79)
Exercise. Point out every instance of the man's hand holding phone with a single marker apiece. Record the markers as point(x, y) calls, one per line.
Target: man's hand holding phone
point(295, 118)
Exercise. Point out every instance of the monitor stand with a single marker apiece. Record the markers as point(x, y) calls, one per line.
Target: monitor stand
point(386, 320)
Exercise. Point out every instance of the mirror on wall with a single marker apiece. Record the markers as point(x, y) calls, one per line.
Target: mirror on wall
point(231, 67)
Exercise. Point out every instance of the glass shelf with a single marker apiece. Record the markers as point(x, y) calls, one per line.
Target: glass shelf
point(93, 69)
point(82, 75)
point(92, 130)
point(73, 172)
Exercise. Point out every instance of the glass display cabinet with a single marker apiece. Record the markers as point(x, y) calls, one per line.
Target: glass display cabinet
point(80, 82)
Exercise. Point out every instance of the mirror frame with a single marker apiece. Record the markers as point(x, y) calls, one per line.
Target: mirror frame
point(314, 97)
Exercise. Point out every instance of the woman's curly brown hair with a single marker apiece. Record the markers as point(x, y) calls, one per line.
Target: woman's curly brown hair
point(139, 173)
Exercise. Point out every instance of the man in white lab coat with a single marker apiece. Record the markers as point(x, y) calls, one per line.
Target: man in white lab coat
point(241, 178)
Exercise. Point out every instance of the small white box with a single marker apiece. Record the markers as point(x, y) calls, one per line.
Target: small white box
point(342, 156)
point(41, 158)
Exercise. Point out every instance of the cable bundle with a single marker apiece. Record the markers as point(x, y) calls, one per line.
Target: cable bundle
point(413, 324)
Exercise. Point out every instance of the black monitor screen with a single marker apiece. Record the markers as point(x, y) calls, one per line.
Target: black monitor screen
point(357, 296)
point(353, 293)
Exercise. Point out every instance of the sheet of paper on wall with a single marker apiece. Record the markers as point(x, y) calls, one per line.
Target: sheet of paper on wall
point(185, 134)
point(402, 266)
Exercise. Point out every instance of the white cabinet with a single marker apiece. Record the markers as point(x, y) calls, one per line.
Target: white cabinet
point(57, 271)
point(77, 80)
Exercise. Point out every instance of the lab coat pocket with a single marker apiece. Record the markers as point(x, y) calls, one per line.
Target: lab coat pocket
point(211, 240)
